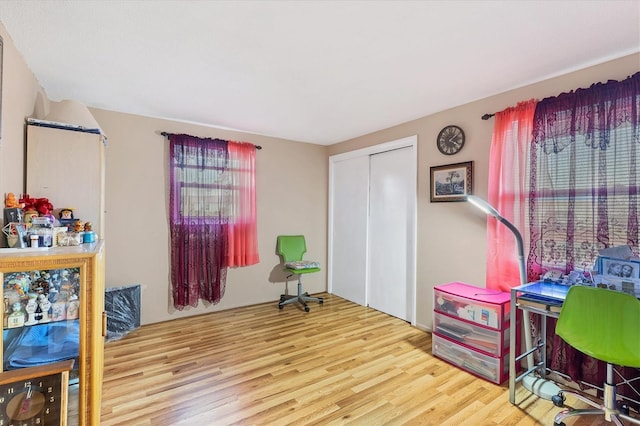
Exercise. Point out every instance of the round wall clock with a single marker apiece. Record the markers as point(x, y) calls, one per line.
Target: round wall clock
point(36, 395)
point(450, 140)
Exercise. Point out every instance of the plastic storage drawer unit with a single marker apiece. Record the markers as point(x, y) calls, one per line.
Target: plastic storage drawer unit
point(471, 329)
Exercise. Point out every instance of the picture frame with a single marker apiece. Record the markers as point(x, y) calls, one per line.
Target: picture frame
point(451, 182)
point(619, 267)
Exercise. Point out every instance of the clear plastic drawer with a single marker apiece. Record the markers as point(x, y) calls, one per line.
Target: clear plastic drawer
point(475, 304)
point(494, 342)
point(493, 369)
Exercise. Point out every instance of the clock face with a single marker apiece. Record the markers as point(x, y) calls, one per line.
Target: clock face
point(30, 402)
point(450, 140)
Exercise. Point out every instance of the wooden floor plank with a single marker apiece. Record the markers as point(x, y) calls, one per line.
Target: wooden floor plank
point(338, 364)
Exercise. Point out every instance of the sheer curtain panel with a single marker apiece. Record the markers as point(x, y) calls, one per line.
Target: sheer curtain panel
point(243, 229)
point(199, 208)
point(508, 158)
point(583, 191)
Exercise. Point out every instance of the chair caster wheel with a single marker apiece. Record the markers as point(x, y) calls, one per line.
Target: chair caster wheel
point(558, 400)
point(306, 309)
point(280, 306)
point(623, 408)
point(559, 424)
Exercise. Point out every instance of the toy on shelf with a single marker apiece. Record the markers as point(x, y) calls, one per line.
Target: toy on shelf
point(78, 226)
point(11, 201)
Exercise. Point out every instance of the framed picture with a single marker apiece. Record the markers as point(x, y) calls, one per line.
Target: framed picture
point(619, 267)
point(452, 182)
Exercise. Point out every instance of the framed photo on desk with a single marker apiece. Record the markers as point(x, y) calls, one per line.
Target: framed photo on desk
point(619, 267)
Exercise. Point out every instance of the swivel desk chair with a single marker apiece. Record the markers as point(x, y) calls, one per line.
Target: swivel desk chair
point(603, 324)
point(291, 248)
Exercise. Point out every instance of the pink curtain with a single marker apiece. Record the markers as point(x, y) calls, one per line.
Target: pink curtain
point(507, 192)
point(242, 232)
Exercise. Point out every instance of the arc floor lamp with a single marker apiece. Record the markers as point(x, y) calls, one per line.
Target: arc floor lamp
point(541, 387)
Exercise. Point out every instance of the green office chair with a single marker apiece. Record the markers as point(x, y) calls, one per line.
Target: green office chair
point(603, 324)
point(291, 248)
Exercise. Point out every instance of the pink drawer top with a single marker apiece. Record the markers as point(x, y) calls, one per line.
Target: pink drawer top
point(472, 292)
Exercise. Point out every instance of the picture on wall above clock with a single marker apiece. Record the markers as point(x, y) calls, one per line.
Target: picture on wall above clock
point(450, 140)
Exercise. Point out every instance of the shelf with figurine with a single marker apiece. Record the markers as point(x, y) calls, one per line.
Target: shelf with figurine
point(41, 307)
point(30, 222)
point(40, 297)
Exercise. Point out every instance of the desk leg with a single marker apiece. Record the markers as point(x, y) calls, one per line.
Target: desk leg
point(512, 348)
point(536, 384)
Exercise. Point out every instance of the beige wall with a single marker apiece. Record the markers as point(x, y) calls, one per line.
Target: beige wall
point(137, 238)
point(292, 198)
point(292, 191)
point(19, 92)
point(452, 236)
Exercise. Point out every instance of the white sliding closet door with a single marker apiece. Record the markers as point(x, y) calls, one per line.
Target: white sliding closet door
point(349, 249)
point(392, 194)
point(372, 227)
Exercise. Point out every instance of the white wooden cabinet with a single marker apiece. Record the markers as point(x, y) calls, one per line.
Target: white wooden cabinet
point(68, 168)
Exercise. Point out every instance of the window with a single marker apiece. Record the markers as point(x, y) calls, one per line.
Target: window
point(584, 183)
point(212, 215)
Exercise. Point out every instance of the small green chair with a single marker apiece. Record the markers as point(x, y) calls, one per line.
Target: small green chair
point(604, 324)
point(291, 248)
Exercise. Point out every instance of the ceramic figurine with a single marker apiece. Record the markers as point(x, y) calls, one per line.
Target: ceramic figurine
point(44, 305)
point(58, 311)
point(73, 308)
point(31, 308)
point(16, 319)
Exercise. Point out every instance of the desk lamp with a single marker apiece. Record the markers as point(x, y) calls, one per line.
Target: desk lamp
point(536, 385)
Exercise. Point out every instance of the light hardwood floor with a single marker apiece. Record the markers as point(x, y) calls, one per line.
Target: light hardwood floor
point(339, 364)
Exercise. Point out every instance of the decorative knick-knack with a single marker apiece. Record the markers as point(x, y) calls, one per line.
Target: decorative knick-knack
point(16, 318)
point(44, 305)
point(73, 308)
point(31, 307)
point(59, 311)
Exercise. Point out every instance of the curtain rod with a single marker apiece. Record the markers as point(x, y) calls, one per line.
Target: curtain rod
point(169, 134)
point(487, 116)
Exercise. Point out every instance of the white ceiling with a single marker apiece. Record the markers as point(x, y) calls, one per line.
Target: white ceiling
point(311, 71)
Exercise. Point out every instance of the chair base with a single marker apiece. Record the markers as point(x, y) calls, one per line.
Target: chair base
point(608, 408)
point(303, 298)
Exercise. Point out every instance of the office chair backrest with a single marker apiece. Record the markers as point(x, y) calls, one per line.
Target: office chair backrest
point(602, 323)
point(291, 247)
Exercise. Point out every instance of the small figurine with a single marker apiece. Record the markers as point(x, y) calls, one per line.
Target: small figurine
point(65, 214)
point(11, 201)
point(31, 308)
point(28, 215)
point(59, 311)
point(44, 305)
point(78, 226)
point(88, 227)
point(73, 307)
point(16, 319)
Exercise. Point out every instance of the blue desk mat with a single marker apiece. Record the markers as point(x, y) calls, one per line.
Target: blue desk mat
point(545, 292)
